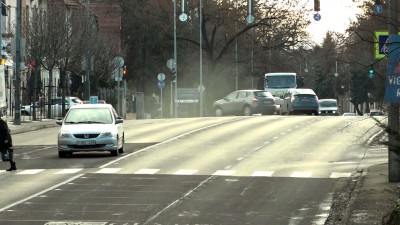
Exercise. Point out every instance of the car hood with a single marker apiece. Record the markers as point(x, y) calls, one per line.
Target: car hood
point(88, 128)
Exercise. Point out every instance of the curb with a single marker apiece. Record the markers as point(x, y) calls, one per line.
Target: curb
point(353, 198)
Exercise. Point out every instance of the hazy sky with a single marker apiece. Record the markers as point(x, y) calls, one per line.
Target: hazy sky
point(335, 16)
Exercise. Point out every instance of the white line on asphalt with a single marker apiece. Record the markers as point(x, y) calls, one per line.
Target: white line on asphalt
point(40, 193)
point(68, 171)
point(185, 172)
point(262, 173)
point(301, 174)
point(147, 171)
point(168, 140)
point(31, 171)
point(108, 170)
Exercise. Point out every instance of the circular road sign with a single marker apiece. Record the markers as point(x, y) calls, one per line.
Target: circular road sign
point(250, 19)
point(170, 63)
point(161, 84)
point(161, 77)
point(183, 17)
point(378, 9)
point(317, 17)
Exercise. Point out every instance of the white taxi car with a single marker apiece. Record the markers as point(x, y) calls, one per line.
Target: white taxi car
point(91, 127)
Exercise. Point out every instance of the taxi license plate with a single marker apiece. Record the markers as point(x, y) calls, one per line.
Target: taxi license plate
point(86, 142)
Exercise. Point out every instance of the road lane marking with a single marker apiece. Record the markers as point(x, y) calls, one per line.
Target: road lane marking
point(108, 170)
point(338, 175)
point(69, 171)
point(169, 140)
point(301, 174)
point(40, 193)
point(185, 172)
point(147, 171)
point(31, 171)
point(262, 173)
point(224, 172)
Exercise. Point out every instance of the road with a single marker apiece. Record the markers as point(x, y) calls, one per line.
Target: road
point(228, 170)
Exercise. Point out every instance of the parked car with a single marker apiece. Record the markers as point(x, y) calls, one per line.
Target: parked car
point(349, 114)
point(245, 102)
point(377, 113)
point(300, 101)
point(56, 106)
point(328, 107)
point(90, 127)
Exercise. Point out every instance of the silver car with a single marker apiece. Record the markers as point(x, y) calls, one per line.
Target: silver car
point(246, 102)
point(91, 127)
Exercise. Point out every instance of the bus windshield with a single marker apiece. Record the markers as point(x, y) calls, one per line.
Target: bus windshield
point(282, 81)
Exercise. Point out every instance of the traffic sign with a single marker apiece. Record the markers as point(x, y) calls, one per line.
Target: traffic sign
point(392, 91)
point(161, 84)
point(161, 77)
point(380, 40)
point(378, 9)
point(317, 17)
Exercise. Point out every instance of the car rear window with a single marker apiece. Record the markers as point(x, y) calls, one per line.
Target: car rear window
point(262, 94)
point(328, 104)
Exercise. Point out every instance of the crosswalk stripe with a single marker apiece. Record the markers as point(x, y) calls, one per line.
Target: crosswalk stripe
point(301, 174)
point(147, 171)
point(257, 173)
point(224, 172)
point(31, 171)
point(108, 170)
point(338, 175)
point(262, 173)
point(69, 171)
point(185, 172)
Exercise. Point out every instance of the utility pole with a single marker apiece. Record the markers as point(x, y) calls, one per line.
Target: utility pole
point(88, 58)
point(17, 117)
point(393, 114)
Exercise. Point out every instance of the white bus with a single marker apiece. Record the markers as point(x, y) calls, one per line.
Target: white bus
point(279, 83)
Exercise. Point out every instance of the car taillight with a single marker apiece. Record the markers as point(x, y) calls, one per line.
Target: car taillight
point(254, 100)
point(293, 99)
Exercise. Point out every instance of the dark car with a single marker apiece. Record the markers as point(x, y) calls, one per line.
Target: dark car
point(300, 101)
point(245, 102)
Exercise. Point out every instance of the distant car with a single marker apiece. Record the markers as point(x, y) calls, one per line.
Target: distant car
point(91, 127)
point(300, 101)
point(56, 106)
point(328, 107)
point(376, 113)
point(349, 114)
point(245, 102)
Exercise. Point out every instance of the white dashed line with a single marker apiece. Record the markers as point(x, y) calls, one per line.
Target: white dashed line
point(32, 171)
point(262, 173)
point(224, 172)
point(147, 171)
point(108, 170)
point(301, 174)
point(185, 172)
point(68, 171)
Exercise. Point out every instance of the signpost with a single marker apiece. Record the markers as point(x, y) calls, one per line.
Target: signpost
point(161, 85)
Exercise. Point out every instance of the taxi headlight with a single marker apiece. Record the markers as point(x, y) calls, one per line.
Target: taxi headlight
point(106, 134)
point(64, 134)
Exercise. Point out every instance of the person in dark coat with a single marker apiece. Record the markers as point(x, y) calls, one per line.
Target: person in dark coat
point(6, 142)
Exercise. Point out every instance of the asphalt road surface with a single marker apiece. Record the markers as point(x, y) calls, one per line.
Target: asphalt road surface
point(278, 170)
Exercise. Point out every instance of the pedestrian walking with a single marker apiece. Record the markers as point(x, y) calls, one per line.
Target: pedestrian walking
point(6, 143)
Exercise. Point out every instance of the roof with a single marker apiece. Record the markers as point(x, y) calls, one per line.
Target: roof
point(304, 91)
point(89, 106)
point(281, 73)
point(328, 100)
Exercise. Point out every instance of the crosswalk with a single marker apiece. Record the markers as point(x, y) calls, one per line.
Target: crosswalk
point(154, 171)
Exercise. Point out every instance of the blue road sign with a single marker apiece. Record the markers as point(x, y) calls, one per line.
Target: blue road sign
point(392, 91)
point(378, 9)
point(317, 17)
point(161, 84)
